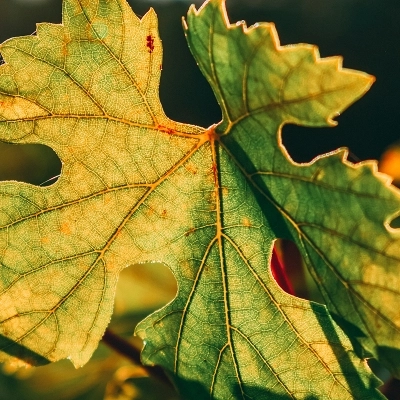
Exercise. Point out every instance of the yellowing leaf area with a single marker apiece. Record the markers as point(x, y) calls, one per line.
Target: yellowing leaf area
point(208, 203)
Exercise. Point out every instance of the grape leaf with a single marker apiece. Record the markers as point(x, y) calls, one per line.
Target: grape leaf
point(209, 203)
point(89, 89)
point(323, 203)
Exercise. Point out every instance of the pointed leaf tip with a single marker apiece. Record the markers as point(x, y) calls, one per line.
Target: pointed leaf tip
point(232, 61)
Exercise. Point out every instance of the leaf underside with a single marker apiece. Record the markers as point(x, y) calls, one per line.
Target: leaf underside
point(209, 203)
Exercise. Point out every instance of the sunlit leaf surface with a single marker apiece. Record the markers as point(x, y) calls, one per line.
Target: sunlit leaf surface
point(209, 203)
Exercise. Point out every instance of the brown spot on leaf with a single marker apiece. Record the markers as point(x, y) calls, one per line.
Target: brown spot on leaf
point(65, 228)
point(191, 168)
point(246, 222)
point(186, 269)
point(212, 197)
point(64, 49)
point(7, 104)
point(164, 214)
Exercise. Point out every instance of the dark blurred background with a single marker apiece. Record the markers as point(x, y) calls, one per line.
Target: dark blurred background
point(365, 32)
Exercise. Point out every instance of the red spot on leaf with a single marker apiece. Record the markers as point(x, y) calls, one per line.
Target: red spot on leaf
point(150, 43)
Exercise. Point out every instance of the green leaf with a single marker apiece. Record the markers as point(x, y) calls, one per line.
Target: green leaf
point(209, 203)
point(338, 213)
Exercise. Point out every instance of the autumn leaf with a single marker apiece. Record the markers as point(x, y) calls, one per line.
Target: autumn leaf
point(209, 203)
point(88, 89)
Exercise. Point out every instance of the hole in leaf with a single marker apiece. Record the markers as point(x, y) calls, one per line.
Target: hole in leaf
point(31, 163)
point(395, 222)
point(287, 267)
point(290, 272)
point(304, 144)
point(1, 60)
point(142, 289)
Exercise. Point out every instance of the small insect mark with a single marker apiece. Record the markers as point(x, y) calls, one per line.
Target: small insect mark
point(150, 43)
point(164, 214)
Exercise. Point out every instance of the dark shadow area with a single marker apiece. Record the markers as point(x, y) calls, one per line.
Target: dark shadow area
point(349, 372)
point(31, 163)
point(353, 332)
point(146, 389)
point(384, 352)
point(23, 353)
point(381, 372)
point(194, 390)
point(392, 354)
point(259, 393)
point(391, 389)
